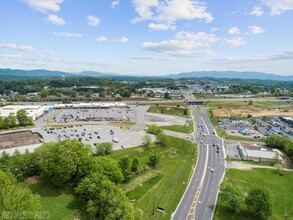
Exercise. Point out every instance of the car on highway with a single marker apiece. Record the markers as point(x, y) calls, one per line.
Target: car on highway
point(212, 170)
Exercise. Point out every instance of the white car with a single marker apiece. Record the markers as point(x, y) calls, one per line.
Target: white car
point(212, 170)
point(115, 140)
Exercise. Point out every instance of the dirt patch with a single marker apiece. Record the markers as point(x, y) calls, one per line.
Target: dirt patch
point(171, 153)
point(140, 180)
point(254, 111)
point(19, 138)
point(31, 180)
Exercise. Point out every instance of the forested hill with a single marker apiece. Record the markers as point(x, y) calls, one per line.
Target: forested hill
point(14, 74)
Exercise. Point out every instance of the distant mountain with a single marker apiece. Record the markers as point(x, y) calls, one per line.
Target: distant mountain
point(14, 73)
point(230, 75)
point(11, 74)
point(6, 74)
point(98, 74)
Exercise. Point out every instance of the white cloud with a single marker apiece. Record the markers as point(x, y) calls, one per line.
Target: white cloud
point(93, 20)
point(213, 29)
point(188, 53)
point(256, 11)
point(45, 5)
point(234, 30)
point(66, 34)
point(11, 56)
point(170, 11)
point(161, 27)
point(278, 6)
point(144, 9)
point(122, 40)
point(255, 29)
point(176, 48)
point(184, 44)
point(168, 46)
point(235, 42)
point(54, 19)
point(13, 46)
point(199, 38)
point(286, 55)
point(115, 3)
point(101, 39)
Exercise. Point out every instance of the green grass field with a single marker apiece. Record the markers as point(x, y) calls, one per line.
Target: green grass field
point(222, 133)
point(165, 185)
point(169, 110)
point(180, 128)
point(279, 187)
point(237, 104)
point(59, 203)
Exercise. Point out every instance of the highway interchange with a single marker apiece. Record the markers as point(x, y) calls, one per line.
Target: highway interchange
point(199, 199)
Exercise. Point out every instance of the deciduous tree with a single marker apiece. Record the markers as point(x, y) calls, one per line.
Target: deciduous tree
point(103, 199)
point(64, 161)
point(232, 195)
point(258, 202)
point(124, 164)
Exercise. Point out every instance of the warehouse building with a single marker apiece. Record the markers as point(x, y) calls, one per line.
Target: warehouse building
point(33, 111)
point(93, 105)
point(261, 155)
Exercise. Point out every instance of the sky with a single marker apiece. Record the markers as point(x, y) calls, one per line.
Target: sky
point(147, 37)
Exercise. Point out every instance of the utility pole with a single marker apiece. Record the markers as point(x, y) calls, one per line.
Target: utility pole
point(153, 206)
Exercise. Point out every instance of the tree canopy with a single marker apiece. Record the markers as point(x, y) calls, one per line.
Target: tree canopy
point(64, 161)
point(258, 202)
point(18, 200)
point(103, 199)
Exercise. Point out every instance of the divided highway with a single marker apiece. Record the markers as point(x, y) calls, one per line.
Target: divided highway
point(199, 199)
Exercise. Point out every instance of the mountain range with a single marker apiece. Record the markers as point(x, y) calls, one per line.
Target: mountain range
point(9, 74)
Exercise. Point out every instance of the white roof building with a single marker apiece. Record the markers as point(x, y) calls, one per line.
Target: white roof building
point(91, 105)
point(33, 111)
point(258, 155)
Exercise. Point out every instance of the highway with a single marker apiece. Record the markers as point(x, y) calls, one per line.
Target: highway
point(199, 199)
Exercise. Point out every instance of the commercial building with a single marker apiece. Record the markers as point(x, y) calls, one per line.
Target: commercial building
point(93, 105)
point(261, 155)
point(34, 111)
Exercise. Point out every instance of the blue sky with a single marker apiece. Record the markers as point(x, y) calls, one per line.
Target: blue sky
point(147, 37)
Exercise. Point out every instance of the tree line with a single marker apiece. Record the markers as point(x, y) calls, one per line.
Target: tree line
point(95, 179)
point(283, 143)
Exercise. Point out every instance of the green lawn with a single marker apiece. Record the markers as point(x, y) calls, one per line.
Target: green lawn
point(236, 104)
point(180, 128)
point(169, 110)
point(279, 187)
point(60, 203)
point(204, 96)
point(222, 133)
point(165, 185)
point(214, 120)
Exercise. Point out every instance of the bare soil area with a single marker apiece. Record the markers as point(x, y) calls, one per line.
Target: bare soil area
point(254, 111)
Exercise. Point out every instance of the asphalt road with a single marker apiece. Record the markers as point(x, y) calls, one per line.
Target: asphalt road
point(199, 199)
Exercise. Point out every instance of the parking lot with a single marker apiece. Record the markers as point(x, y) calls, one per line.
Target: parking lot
point(82, 116)
point(241, 128)
point(274, 126)
point(94, 134)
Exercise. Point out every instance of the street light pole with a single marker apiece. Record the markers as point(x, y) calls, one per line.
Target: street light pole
point(153, 206)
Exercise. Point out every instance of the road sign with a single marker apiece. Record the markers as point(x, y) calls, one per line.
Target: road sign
point(160, 209)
